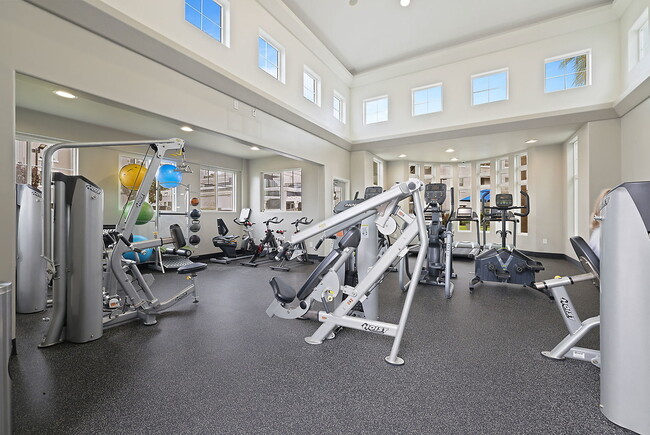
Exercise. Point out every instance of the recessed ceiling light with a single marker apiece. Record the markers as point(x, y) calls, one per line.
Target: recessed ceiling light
point(531, 141)
point(450, 150)
point(255, 149)
point(402, 155)
point(404, 2)
point(454, 159)
point(65, 94)
point(187, 128)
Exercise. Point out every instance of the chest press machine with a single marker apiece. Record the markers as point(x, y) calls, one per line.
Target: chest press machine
point(324, 284)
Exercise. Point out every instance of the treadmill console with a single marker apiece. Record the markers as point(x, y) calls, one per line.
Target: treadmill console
point(372, 191)
point(503, 200)
point(435, 192)
point(464, 212)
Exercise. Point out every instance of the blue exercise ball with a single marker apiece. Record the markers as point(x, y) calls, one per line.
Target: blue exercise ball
point(139, 257)
point(168, 176)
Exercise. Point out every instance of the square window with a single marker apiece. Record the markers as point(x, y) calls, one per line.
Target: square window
point(566, 72)
point(490, 87)
point(206, 15)
point(427, 100)
point(375, 110)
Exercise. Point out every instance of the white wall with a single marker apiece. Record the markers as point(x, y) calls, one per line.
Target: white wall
point(526, 95)
point(315, 204)
point(635, 143)
point(240, 59)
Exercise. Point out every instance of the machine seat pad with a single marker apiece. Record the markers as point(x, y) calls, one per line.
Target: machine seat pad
point(582, 249)
point(191, 268)
point(282, 291)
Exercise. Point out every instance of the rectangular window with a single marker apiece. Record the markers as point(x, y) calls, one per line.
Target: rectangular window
point(446, 177)
point(490, 87)
point(29, 161)
point(282, 190)
point(414, 170)
point(206, 15)
point(566, 72)
point(503, 175)
point(521, 161)
point(484, 186)
point(311, 86)
point(217, 189)
point(638, 40)
point(338, 107)
point(464, 191)
point(270, 57)
point(427, 99)
point(427, 174)
point(377, 172)
point(375, 110)
point(572, 185)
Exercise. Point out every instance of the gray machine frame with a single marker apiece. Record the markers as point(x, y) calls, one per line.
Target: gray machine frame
point(92, 321)
point(385, 206)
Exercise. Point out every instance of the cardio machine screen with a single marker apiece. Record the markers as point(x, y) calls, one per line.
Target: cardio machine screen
point(435, 192)
point(372, 191)
point(503, 200)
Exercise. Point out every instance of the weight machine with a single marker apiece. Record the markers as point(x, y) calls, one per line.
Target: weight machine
point(324, 284)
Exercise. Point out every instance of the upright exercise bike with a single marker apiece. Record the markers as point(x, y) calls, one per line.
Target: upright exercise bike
point(298, 252)
point(267, 247)
point(501, 264)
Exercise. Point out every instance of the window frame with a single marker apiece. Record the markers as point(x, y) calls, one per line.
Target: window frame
point(379, 164)
point(371, 100)
point(518, 185)
point(342, 117)
point(29, 156)
point(282, 189)
point(422, 88)
point(317, 85)
point(281, 69)
point(224, 37)
point(216, 171)
point(634, 56)
point(486, 74)
point(586, 52)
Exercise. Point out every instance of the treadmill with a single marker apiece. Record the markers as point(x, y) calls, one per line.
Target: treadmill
point(463, 249)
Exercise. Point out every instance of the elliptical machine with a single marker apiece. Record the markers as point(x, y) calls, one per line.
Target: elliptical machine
point(502, 264)
point(439, 269)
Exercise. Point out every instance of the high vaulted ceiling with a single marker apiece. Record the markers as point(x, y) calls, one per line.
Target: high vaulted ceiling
point(366, 34)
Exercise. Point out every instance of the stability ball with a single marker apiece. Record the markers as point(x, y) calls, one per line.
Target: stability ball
point(131, 176)
point(168, 176)
point(145, 215)
point(139, 257)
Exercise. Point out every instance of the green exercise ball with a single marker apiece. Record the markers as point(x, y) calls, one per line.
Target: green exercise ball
point(145, 215)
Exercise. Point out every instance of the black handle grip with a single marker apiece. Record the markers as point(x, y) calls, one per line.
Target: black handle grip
point(320, 242)
point(281, 250)
point(527, 207)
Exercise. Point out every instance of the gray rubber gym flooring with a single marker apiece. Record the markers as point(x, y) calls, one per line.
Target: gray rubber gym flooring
point(473, 366)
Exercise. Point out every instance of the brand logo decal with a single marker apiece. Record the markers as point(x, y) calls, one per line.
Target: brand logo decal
point(373, 328)
point(566, 308)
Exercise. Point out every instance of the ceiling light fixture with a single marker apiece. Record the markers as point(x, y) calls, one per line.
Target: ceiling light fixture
point(402, 155)
point(186, 128)
point(404, 3)
point(531, 141)
point(65, 94)
point(454, 159)
point(450, 150)
point(254, 148)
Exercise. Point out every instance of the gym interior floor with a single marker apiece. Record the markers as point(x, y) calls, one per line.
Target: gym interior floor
point(473, 365)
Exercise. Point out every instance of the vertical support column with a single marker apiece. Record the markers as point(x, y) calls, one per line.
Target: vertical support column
point(6, 316)
point(366, 254)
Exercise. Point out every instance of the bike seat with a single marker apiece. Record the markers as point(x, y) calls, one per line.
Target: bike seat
point(191, 268)
point(282, 291)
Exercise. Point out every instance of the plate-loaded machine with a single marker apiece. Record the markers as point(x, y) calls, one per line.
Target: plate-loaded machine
point(80, 308)
point(502, 264)
point(289, 304)
point(556, 290)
